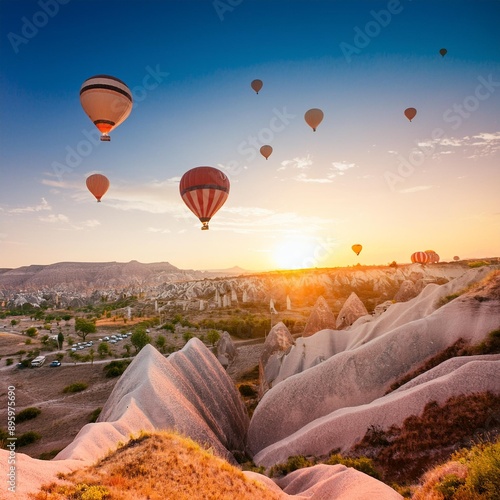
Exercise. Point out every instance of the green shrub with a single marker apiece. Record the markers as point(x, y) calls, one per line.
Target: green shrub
point(28, 438)
point(483, 478)
point(27, 414)
point(91, 492)
point(293, 463)
point(9, 361)
point(94, 415)
point(247, 391)
point(363, 464)
point(449, 485)
point(76, 387)
point(491, 345)
point(48, 455)
point(116, 368)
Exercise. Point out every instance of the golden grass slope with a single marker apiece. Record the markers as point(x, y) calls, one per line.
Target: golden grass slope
point(161, 465)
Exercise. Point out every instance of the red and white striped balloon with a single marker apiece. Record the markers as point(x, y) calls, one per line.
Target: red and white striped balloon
point(419, 258)
point(204, 191)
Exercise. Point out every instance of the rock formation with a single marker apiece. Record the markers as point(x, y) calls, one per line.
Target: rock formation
point(277, 344)
point(406, 291)
point(352, 309)
point(321, 318)
point(226, 350)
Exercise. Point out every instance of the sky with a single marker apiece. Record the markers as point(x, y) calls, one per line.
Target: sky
point(367, 175)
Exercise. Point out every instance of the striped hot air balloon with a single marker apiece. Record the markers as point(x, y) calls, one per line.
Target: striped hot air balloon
point(97, 184)
point(204, 191)
point(107, 102)
point(433, 256)
point(419, 258)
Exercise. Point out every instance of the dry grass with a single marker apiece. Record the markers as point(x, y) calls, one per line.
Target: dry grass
point(158, 466)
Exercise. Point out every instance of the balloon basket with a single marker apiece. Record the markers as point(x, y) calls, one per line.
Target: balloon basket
point(105, 138)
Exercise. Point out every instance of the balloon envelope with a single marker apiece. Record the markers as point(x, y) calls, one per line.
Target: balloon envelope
point(314, 117)
point(97, 184)
point(204, 190)
point(433, 257)
point(419, 258)
point(456, 257)
point(107, 102)
point(443, 52)
point(257, 85)
point(266, 151)
point(357, 248)
point(410, 113)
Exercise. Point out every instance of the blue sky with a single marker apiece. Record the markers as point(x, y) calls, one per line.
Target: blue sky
point(366, 176)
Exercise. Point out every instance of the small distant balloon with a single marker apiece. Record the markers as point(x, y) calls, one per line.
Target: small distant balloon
point(97, 184)
point(257, 85)
point(456, 257)
point(314, 117)
point(410, 113)
point(443, 52)
point(266, 151)
point(357, 248)
point(433, 257)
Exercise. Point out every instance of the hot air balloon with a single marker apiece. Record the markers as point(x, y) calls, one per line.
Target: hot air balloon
point(419, 258)
point(256, 85)
point(410, 113)
point(204, 190)
point(313, 118)
point(97, 184)
point(266, 151)
point(357, 248)
point(107, 102)
point(443, 52)
point(456, 257)
point(433, 256)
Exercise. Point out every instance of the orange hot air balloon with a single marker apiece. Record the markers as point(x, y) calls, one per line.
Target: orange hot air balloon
point(433, 256)
point(419, 258)
point(97, 184)
point(410, 113)
point(443, 52)
point(456, 257)
point(107, 102)
point(204, 190)
point(357, 248)
point(256, 85)
point(313, 118)
point(266, 151)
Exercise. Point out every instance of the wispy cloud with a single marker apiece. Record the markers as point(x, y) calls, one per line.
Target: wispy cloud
point(339, 168)
point(259, 220)
point(415, 189)
point(53, 218)
point(43, 205)
point(158, 230)
point(298, 163)
point(305, 178)
point(90, 223)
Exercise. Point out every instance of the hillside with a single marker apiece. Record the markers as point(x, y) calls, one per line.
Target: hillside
point(322, 392)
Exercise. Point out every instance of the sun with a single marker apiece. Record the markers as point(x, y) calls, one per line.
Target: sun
point(294, 254)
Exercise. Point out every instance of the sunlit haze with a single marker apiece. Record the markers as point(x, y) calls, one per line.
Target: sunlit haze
point(367, 175)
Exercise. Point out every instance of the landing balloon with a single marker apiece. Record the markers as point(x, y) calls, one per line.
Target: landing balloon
point(443, 52)
point(433, 257)
point(313, 118)
point(107, 102)
point(410, 113)
point(419, 258)
point(204, 190)
point(266, 151)
point(257, 85)
point(357, 248)
point(97, 184)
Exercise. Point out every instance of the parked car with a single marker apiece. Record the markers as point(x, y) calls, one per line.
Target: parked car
point(55, 363)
